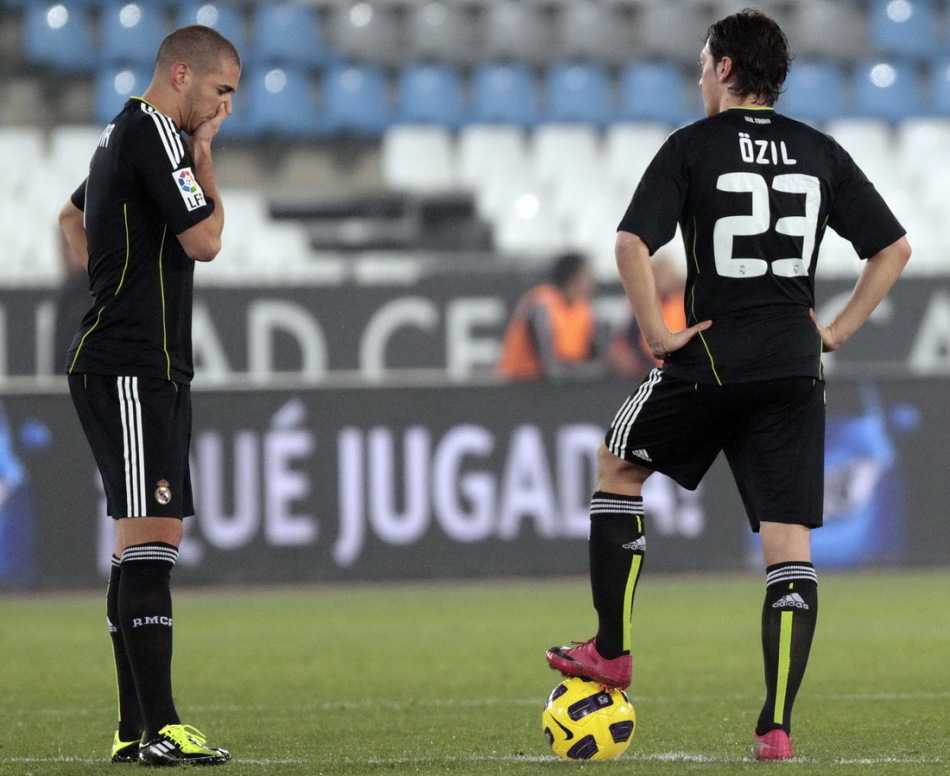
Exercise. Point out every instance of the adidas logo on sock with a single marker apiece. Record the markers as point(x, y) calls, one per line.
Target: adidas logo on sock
point(638, 545)
point(791, 601)
point(641, 453)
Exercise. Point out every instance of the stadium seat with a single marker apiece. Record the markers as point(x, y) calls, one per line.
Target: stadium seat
point(578, 92)
point(815, 91)
point(528, 231)
point(938, 76)
point(131, 32)
point(656, 91)
point(834, 30)
point(430, 94)
point(904, 28)
point(504, 93)
point(418, 159)
point(485, 149)
point(871, 144)
point(559, 151)
point(23, 157)
point(628, 149)
point(356, 99)
point(280, 101)
point(222, 16)
point(55, 36)
point(513, 30)
point(366, 32)
point(112, 88)
point(287, 33)
point(673, 31)
point(887, 90)
point(593, 31)
point(441, 32)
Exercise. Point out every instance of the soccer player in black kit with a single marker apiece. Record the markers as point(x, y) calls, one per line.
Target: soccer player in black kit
point(147, 212)
point(753, 192)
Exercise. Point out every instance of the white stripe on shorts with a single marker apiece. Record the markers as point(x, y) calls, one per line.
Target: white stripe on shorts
point(627, 414)
point(130, 409)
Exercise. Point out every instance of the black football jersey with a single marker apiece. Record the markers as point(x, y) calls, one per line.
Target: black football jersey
point(753, 191)
point(140, 193)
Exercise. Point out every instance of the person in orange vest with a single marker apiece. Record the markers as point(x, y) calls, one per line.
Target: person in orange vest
point(553, 331)
point(628, 354)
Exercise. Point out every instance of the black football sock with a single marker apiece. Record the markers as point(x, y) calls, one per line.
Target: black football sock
point(145, 614)
point(788, 624)
point(130, 712)
point(616, 547)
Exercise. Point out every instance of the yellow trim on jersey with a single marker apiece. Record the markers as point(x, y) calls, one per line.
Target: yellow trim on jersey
point(784, 666)
point(712, 361)
point(750, 107)
point(128, 250)
point(72, 366)
point(161, 285)
point(142, 99)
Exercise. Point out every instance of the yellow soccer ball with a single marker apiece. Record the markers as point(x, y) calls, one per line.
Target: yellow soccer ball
point(583, 721)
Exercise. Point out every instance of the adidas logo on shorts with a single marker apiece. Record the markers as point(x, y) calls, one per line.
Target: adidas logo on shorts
point(641, 453)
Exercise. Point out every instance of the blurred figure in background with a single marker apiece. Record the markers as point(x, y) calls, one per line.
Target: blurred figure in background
point(629, 354)
point(553, 332)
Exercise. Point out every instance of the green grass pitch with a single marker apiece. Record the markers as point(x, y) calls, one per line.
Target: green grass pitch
point(438, 677)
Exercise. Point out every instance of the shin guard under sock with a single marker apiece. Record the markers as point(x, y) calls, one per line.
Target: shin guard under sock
point(130, 712)
point(788, 625)
point(616, 547)
point(145, 616)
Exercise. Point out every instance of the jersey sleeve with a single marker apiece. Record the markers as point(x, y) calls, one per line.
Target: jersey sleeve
point(859, 213)
point(654, 211)
point(163, 166)
point(78, 197)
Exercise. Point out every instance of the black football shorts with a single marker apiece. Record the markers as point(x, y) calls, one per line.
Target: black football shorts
point(139, 429)
point(772, 432)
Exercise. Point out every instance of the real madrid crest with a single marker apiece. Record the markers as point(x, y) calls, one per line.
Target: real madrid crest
point(163, 493)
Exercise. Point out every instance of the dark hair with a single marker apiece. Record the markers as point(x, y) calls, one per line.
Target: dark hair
point(201, 48)
point(567, 267)
point(759, 52)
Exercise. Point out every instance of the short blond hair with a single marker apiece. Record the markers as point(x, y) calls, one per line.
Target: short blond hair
point(201, 48)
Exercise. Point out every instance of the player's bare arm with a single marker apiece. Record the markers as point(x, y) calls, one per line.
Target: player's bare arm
point(877, 278)
point(71, 224)
point(636, 274)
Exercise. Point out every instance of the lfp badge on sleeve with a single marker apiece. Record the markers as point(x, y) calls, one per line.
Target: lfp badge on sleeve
point(189, 189)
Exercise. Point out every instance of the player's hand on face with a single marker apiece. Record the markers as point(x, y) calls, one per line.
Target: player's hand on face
point(829, 340)
point(208, 129)
point(677, 340)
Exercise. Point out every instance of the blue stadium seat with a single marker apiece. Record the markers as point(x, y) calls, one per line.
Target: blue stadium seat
point(112, 88)
point(814, 91)
point(53, 35)
point(504, 94)
point(131, 32)
point(280, 101)
point(287, 33)
point(356, 99)
point(656, 91)
point(431, 94)
point(578, 92)
point(888, 90)
point(939, 86)
point(904, 28)
point(239, 125)
point(222, 16)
